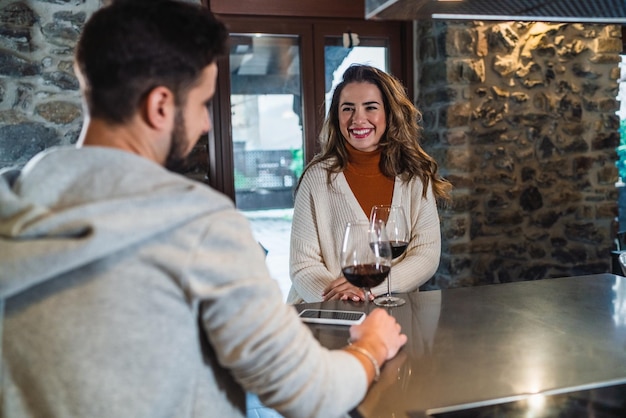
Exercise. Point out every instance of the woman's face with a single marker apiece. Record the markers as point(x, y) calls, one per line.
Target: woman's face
point(362, 119)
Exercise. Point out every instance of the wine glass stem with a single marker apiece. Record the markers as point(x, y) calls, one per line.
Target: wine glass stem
point(389, 284)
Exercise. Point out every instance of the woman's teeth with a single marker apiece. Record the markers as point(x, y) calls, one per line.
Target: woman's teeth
point(360, 132)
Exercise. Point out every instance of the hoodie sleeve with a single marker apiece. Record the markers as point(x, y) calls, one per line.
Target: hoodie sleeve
point(260, 338)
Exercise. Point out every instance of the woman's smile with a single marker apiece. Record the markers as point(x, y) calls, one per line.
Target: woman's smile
point(362, 118)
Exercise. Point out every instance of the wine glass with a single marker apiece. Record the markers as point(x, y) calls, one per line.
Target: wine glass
point(398, 233)
point(365, 255)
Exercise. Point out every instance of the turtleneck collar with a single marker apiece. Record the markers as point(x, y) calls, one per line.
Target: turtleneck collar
point(361, 162)
point(368, 184)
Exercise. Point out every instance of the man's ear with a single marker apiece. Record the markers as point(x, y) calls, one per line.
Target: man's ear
point(159, 108)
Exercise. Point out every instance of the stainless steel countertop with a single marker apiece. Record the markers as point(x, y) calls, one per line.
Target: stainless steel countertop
point(491, 344)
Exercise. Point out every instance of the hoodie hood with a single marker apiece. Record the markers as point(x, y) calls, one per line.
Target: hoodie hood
point(71, 206)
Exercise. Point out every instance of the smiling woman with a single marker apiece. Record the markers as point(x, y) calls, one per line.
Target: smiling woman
point(362, 118)
point(371, 155)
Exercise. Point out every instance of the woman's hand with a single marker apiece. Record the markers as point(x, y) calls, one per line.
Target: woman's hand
point(341, 289)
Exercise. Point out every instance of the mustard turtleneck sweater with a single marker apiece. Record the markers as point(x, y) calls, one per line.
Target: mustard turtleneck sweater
point(369, 185)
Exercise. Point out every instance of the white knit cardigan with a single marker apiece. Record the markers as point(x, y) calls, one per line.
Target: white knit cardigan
point(319, 218)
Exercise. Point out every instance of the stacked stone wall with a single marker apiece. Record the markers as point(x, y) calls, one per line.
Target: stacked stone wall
point(521, 117)
point(40, 104)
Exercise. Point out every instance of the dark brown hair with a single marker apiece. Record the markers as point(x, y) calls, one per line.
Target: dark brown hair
point(132, 46)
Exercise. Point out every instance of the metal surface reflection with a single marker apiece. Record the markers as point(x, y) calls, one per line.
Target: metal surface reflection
point(619, 302)
point(487, 345)
point(401, 378)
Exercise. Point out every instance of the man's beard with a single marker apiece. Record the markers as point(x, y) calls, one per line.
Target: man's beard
point(176, 160)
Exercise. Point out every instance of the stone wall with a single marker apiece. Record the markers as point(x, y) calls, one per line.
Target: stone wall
point(521, 117)
point(40, 103)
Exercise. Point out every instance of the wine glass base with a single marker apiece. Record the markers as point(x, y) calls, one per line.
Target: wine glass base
point(389, 301)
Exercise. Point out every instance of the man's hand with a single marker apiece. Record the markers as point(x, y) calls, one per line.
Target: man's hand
point(377, 339)
point(380, 329)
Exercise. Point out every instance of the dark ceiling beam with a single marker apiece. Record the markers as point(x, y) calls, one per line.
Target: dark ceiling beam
point(344, 9)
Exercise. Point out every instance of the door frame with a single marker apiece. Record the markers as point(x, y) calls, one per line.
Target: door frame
point(311, 32)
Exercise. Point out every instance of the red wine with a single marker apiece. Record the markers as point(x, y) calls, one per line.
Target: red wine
point(398, 248)
point(366, 275)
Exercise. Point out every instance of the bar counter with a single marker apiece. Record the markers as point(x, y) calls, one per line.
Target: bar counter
point(515, 345)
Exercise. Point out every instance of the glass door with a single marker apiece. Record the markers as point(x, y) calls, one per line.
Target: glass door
point(267, 110)
point(266, 118)
point(267, 128)
point(271, 93)
point(339, 54)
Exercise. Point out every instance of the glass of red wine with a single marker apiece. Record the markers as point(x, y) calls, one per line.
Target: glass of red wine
point(397, 230)
point(365, 255)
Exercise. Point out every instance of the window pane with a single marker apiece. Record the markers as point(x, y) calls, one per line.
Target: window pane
point(337, 58)
point(267, 132)
point(266, 119)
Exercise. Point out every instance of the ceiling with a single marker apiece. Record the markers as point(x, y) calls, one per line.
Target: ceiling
point(594, 11)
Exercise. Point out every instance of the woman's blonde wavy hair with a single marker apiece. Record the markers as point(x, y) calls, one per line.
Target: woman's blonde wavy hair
point(401, 153)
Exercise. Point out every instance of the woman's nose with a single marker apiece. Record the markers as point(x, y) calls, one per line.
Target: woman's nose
point(358, 116)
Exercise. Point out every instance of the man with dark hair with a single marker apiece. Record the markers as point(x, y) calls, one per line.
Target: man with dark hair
point(132, 291)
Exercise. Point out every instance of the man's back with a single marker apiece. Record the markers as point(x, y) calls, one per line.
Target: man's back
point(113, 307)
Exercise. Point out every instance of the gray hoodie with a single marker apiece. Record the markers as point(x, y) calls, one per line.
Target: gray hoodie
point(131, 291)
